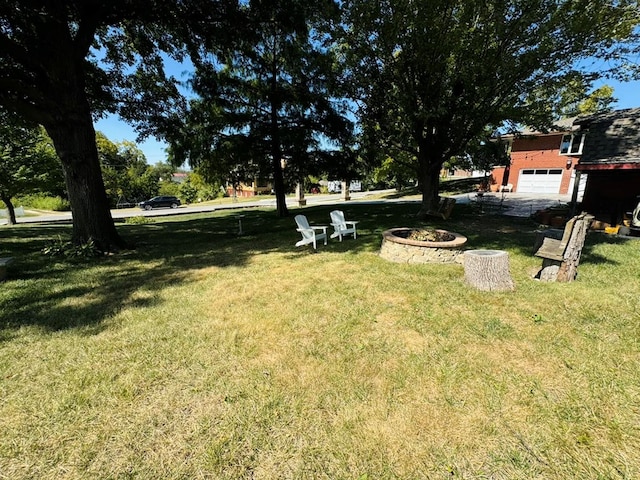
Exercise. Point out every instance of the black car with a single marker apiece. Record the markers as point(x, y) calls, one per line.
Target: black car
point(161, 201)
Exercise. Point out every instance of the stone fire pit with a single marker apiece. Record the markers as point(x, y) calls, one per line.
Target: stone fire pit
point(416, 245)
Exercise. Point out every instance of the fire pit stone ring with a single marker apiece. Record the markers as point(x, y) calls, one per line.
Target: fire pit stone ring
point(397, 246)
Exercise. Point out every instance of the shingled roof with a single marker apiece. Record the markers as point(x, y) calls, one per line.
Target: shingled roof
point(612, 138)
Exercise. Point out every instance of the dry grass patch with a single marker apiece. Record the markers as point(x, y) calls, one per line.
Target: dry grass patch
point(204, 355)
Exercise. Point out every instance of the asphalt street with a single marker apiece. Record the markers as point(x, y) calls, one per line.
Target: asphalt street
point(513, 204)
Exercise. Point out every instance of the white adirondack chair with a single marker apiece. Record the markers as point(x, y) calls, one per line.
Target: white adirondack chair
point(310, 234)
point(341, 226)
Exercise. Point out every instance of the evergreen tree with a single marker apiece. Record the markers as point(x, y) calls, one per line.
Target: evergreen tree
point(267, 100)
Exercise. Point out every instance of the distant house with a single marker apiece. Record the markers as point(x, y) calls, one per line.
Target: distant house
point(542, 162)
point(250, 189)
point(335, 186)
point(179, 177)
point(611, 158)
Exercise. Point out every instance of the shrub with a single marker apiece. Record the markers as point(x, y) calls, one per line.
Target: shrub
point(169, 188)
point(61, 248)
point(138, 220)
point(43, 202)
point(188, 192)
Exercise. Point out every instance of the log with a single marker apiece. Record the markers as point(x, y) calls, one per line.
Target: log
point(569, 269)
point(488, 270)
point(562, 265)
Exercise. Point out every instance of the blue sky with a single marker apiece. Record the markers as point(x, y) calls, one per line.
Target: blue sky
point(628, 95)
point(117, 130)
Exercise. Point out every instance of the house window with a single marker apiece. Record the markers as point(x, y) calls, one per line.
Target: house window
point(572, 144)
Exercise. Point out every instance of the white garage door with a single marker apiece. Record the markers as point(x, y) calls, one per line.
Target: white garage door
point(540, 180)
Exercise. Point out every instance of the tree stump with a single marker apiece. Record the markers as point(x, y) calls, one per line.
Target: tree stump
point(487, 270)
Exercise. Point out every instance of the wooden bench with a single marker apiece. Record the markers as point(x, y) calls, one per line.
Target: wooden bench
point(561, 249)
point(444, 209)
point(4, 263)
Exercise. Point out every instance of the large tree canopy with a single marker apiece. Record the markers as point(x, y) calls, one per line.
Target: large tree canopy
point(62, 61)
point(431, 75)
point(268, 99)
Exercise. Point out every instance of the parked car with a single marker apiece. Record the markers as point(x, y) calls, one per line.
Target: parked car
point(160, 201)
point(125, 204)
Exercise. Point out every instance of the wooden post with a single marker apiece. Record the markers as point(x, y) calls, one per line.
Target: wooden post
point(345, 191)
point(487, 270)
point(574, 194)
point(300, 195)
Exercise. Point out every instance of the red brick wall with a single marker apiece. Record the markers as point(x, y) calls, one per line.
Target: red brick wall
point(536, 152)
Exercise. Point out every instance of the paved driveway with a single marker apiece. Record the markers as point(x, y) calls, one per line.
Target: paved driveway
point(519, 204)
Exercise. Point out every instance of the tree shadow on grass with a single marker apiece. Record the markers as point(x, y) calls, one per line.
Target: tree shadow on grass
point(56, 293)
point(59, 294)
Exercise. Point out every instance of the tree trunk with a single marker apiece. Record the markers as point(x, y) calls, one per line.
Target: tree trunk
point(276, 161)
point(11, 217)
point(74, 139)
point(429, 168)
point(276, 150)
point(278, 184)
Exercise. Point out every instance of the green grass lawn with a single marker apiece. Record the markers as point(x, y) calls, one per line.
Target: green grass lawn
point(201, 354)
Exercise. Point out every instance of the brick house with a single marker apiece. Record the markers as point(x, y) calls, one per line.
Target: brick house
point(542, 162)
point(250, 189)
